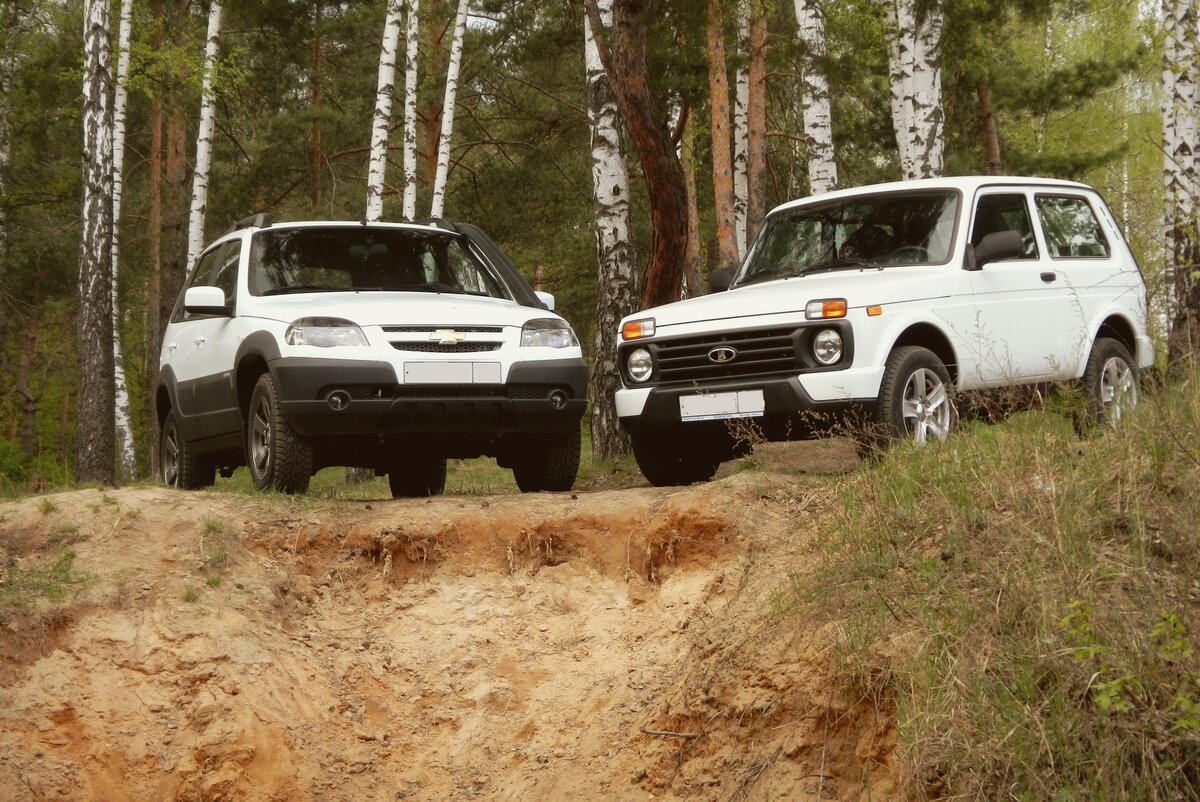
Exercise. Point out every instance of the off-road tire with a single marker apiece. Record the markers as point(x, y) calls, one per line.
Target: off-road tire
point(667, 461)
point(418, 477)
point(915, 399)
point(178, 465)
point(548, 462)
point(279, 458)
point(1110, 385)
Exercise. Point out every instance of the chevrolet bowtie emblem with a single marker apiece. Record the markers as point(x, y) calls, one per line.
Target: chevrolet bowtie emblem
point(447, 336)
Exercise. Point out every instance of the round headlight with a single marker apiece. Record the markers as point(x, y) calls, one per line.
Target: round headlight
point(827, 346)
point(639, 364)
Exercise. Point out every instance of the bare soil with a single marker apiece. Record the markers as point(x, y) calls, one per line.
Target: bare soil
point(615, 644)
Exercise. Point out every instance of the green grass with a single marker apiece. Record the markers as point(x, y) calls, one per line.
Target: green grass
point(50, 581)
point(1028, 601)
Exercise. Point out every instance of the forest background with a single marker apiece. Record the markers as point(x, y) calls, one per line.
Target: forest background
point(1064, 88)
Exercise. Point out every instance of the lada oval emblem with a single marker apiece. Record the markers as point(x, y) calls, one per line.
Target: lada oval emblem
point(722, 354)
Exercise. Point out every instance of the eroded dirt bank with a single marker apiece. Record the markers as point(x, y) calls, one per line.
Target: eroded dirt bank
point(606, 645)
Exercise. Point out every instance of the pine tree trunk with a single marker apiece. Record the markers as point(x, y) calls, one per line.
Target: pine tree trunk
point(756, 127)
point(126, 460)
point(991, 134)
point(24, 391)
point(443, 159)
point(914, 31)
point(741, 177)
point(314, 145)
point(693, 266)
point(411, 42)
point(616, 281)
point(622, 48)
point(11, 23)
point(94, 433)
point(384, 92)
point(154, 222)
point(718, 92)
point(175, 264)
point(204, 138)
point(818, 116)
point(1179, 182)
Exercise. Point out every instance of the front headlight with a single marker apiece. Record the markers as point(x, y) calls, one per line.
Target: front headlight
point(827, 346)
point(639, 364)
point(324, 332)
point(547, 332)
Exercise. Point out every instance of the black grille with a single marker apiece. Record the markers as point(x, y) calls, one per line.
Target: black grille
point(446, 348)
point(432, 329)
point(515, 391)
point(761, 351)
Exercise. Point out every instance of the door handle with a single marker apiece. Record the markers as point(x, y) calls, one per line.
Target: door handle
point(1049, 277)
point(202, 340)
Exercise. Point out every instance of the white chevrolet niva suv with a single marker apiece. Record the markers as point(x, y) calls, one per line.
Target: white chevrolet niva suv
point(387, 346)
point(870, 308)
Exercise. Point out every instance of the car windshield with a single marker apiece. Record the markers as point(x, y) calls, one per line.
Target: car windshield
point(366, 259)
point(864, 231)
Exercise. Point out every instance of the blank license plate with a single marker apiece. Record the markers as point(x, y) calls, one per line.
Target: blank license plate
point(451, 372)
point(722, 406)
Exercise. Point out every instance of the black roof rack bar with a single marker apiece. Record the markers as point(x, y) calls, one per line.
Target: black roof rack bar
point(254, 221)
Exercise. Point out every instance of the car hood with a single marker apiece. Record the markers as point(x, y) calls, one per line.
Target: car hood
point(397, 308)
point(859, 287)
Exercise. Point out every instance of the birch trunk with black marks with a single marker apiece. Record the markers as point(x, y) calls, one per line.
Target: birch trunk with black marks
point(126, 459)
point(616, 280)
point(741, 103)
point(914, 31)
point(204, 138)
point(385, 90)
point(94, 411)
point(814, 98)
point(443, 158)
point(1180, 182)
point(722, 159)
point(412, 31)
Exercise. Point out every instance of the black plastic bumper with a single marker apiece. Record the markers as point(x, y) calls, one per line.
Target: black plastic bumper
point(341, 397)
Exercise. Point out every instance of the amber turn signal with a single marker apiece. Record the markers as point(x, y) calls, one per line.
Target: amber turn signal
point(637, 329)
point(874, 311)
point(825, 309)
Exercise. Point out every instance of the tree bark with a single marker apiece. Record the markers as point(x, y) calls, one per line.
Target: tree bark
point(384, 92)
point(623, 50)
point(24, 390)
point(11, 26)
point(94, 433)
point(741, 177)
point(443, 159)
point(154, 224)
point(616, 280)
point(204, 138)
point(126, 459)
point(1180, 183)
point(818, 115)
point(756, 127)
point(718, 92)
point(411, 44)
point(914, 30)
point(314, 144)
point(694, 282)
point(991, 134)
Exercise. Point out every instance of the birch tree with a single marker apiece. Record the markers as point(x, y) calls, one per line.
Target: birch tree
point(411, 41)
point(385, 90)
point(443, 159)
point(204, 138)
point(1180, 180)
point(740, 131)
point(914, 31)
point(722, 161)
point(126, 460)
point(814, 98)
point(95, 408)
point(616, 280)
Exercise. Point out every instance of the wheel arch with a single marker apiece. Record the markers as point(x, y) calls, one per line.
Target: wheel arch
point(1120, 329)
point(254, 358)
point(927, 335)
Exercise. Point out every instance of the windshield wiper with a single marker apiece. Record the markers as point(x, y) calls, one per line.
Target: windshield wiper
point(429, 286)
point(304, 288)
point(847, 263)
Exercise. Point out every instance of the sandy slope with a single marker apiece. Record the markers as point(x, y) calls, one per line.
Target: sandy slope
point(605, 645)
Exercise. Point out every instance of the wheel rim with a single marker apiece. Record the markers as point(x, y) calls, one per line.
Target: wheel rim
point(170, 457)
point(925, 408)
point(260, 437)
point(1118, 390)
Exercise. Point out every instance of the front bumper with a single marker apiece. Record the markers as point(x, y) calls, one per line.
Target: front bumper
point(344, 397)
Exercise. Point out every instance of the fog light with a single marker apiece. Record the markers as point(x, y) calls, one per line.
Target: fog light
point(827, 346)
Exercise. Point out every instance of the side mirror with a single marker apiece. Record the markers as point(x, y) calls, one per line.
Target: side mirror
point(206, 301)
point(720, 279)
point(545, 298)
point(995, 247)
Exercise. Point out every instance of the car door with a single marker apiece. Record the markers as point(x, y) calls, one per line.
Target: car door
point(1020, 303)
point(197, 352)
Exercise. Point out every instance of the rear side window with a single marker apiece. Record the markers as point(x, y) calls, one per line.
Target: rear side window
point(1071, 228)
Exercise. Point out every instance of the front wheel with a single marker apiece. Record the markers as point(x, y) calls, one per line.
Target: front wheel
point(1110, 383)
point(418, 477)
point(179, 466)
point(548, 462)
point(279, 458)
point(915, 397)
point(677, 460)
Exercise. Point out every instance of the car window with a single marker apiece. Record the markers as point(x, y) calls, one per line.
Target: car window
point(1004, 211)
point(365, 259)
point(1071, 228)
point(225, 270)
point(200, 277)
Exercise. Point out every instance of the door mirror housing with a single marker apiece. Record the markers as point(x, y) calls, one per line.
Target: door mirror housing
point(995, 247)
point(546, 298)
point(720, 279)
point(206, 301)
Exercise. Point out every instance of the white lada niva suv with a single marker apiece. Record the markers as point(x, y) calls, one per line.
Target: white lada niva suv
point(386, 346)
point(872, 307)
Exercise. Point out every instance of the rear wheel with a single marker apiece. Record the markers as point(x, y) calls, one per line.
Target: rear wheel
point(548, 462)
point(279, 458)
point(418, 477)
point(1110, 383)
point(678, 460)
point(179, 466)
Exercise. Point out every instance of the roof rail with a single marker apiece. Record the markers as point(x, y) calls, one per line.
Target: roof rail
point(254, 221)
